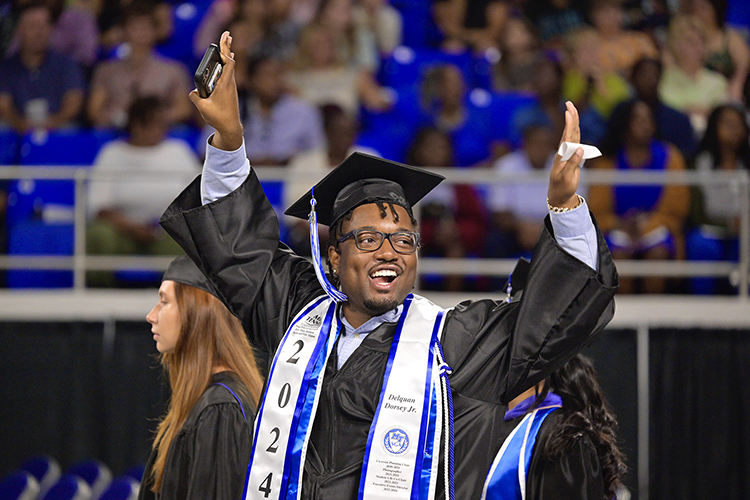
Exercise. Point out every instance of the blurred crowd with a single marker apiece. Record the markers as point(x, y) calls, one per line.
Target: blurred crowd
point(659, 84)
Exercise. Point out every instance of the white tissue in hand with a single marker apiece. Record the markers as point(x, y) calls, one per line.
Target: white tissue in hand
point(568, 148)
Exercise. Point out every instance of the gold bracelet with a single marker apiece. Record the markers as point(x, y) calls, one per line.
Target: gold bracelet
point(560, 210)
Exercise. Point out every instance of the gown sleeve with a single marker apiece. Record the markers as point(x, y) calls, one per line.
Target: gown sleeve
point(497, 350)
point(220, 454)
point(235, 243)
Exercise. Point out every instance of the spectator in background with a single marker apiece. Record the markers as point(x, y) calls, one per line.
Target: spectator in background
point(124, 212)
point(116, 84)
point(76, 32)
point(725, 147)
point(355, 44)
point(687, 85)
point(112, 14)
point(448, 106)
point(320, 76)
point(727, 48)
point(262, 26)
point(453, 217)
point(38, 87)
point(278, 125)
point(518, 208)
point(547, 90)
point(518, 47)
point(671, 125)
point(640, 222)
point(555, 19)
point(341, 129)
point(594, 89)
point(382, 20)
point(618, 48)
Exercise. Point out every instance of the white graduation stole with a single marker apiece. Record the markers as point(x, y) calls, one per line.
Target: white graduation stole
point(401, 459)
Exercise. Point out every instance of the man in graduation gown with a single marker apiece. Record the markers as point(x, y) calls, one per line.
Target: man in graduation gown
point(496, 350)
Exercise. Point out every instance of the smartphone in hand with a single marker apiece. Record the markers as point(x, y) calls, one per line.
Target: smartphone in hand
point(208, 71)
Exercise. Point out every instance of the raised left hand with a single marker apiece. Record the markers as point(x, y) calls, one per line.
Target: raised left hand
point(564, 177)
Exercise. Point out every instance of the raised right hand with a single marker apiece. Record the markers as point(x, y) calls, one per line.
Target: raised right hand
point(221, 110)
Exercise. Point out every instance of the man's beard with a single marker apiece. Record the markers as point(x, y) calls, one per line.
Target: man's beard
point(378, 307)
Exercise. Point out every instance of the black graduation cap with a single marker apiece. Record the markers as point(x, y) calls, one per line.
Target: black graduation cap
point(183, 270)
point(361, 179)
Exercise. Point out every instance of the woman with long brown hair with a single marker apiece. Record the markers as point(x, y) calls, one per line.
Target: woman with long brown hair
point(203, 444)
point(565, 437)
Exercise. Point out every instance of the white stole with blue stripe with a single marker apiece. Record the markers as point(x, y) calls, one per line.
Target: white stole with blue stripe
point(401, 458)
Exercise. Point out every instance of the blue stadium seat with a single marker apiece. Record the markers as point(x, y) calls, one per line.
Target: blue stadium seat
point(40, 212)
point(34, 237)
point(19, 485)
point(68, 487)
point(136, 472)
point(186, 17)
point(96, 474)
point(407, 66)
point(45, 469)
point(63, 147)
point(9, 142)
point(418, 27)
point(121, 488)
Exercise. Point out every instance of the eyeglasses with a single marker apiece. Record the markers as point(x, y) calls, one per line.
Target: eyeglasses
point(369, 240)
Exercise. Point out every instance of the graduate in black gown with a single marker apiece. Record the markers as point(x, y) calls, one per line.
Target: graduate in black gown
point(202, 445)
point(495, 349)
point(571, 453)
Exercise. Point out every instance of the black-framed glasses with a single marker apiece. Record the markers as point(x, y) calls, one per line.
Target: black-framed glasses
point(369, 240)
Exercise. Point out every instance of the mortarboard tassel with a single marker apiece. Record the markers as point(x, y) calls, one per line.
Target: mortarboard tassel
point(333, 293)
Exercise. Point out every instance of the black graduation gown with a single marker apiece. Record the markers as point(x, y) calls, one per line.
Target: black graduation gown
point(209, 456)
point(496, 350)
point(576, 475)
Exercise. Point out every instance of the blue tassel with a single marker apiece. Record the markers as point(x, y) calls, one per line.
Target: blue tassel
point(333, 293)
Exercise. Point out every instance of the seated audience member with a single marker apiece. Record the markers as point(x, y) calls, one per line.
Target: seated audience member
point(518, 208)
point(76, 33)
point(382, 20)
point(143, 72)
point(278, 125)
point(618, 48)
point(640, 222)
point(341, 129)
point(355, 43)
point(555, 19)
point(671, 125)
point(519, 49)
point(593, 88)
point(447, 104)
point(111, 14)
point(727, 47)
point(548, 100)
point(38, 87)
point(453, 217)
point(321, 75)
point(567, 433)
point(124, 210)
point(724, 148)
point(686, 84)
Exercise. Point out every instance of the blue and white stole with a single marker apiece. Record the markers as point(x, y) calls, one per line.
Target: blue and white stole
point(400, 462)
point(507, 477)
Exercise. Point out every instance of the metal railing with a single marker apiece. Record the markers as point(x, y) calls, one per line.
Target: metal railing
point(80, 262)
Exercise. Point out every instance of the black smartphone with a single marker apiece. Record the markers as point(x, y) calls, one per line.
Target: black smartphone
point(209, 71)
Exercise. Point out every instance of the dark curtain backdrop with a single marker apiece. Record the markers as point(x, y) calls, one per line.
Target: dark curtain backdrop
point(93, 390)
point(700, 414)
point(68, 393)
